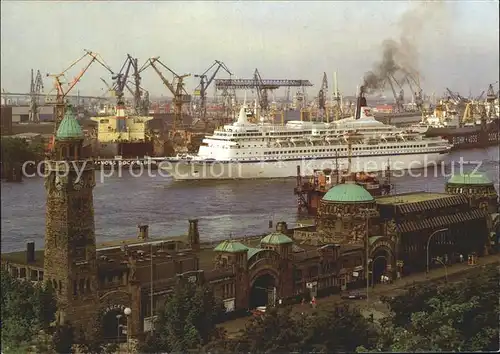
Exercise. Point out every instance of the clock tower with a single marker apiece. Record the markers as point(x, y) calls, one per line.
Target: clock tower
point(70, 262)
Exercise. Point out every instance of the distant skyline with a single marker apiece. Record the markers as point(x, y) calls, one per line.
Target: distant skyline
point(457, 42)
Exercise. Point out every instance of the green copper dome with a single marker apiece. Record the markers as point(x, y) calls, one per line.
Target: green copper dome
point(231, 247)
point(348, 193)
point(276, 238)
point(470, 179)
point(69, 128)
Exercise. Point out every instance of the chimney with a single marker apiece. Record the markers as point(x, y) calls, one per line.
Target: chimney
point(281, 227)
point(143, 232)
point(361, 102)
point(30, 252)
point(194, 235)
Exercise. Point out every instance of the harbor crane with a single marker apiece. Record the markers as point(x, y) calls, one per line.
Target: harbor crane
point(177, 89)
point(36, 88)
point(261, 86)
point(201, 89)
point(261, 91)
point(398, 98)
point(109, 87)
point(323, 94)
point(62, 93)
point(122, 82)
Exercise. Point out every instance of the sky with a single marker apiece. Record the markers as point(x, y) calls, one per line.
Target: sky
point(457, 42)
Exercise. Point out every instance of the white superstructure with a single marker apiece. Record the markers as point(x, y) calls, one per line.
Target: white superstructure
point(266, 150)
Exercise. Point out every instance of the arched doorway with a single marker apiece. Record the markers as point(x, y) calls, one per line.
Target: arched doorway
point(263, 291)
point(114, 325)
point(379, 264)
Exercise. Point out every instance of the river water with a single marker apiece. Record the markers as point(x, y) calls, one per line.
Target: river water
point(240, 207)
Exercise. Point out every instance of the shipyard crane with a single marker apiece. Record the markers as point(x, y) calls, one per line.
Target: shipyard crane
point(399, 105)
point(62, 93)
point(180, 95)
point(491, 97)
point(337, 98)
point(201, 89)
point(323, 94)
point(261, 91)
point(261, 85)
point(120, 80)
point(36, 87)
point(109, 87)
point(142, 105)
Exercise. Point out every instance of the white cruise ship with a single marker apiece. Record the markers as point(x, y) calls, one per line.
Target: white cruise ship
point(244, 150)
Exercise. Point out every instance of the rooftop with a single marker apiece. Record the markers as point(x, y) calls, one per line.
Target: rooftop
point(69, 128)
point(468, 179)
point(413, 197)
point(276, 238)
point(231, 246)
point(348, 193)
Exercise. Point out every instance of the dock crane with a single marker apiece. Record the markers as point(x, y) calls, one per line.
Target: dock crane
point(180, 95)
point(261, 91)
point(397, 98)
point(323, 94)
point(36, 87)
point(109, 87)
point(201, 89)
point(60, 101)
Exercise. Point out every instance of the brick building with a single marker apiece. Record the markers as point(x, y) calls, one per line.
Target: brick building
point(95, 284)
point(401, 227)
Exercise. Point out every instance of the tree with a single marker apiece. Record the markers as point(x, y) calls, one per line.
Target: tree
point(93, 343)
point(330, 329)
point(26, 310)
point(63, 339)
point(187, 320)
point(454, 317)
point(15, 152)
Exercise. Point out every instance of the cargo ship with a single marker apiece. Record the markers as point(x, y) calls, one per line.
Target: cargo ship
point(469, 137)
point(122, 135)
point(310, 190)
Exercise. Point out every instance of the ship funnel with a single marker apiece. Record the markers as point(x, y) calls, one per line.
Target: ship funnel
point(361, 102)
point(242, 118)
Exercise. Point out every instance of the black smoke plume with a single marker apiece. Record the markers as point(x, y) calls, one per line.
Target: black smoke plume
point(400, 58)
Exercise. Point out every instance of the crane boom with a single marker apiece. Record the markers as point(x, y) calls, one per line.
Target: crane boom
point(61, 93)
point(180, 94)
point(205, 84)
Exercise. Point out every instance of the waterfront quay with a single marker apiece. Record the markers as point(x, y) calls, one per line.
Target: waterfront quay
point(356, 239)
point(365, 243)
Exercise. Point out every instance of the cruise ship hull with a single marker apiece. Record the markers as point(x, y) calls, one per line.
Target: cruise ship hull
point(216, 170)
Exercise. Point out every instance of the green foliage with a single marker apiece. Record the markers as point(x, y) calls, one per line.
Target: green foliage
point(455, 317)
point(26, 310)
point(329, 330)
point(186, 322)
point(17, 151)
point(63, 339)
point(93, 343)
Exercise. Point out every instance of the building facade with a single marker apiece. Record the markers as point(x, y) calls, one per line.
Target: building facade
point(95, 284)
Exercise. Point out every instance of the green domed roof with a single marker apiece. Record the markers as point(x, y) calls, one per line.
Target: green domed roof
point(276, 238)
point(348, 192)
point(69, 128)
point(231, 247)
point(470, 179)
